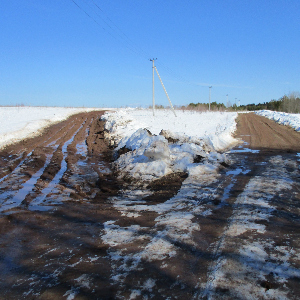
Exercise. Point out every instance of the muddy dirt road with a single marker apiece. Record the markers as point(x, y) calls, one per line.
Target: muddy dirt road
point(70, 230)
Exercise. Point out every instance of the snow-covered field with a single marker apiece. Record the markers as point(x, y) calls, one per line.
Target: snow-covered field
point(292, 120)
point(18, 123)
point(163, 143)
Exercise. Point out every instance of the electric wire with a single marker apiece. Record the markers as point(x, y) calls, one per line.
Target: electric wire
point(114, 31)
point(87, 14)
point(114, 25)
point(116, 34)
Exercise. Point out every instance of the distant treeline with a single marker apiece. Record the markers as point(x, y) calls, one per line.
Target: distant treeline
point(214, 106)
point(289, 104)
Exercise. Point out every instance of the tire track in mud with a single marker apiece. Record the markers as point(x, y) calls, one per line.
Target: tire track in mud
point(49, 161)
point(264, 134)
point(41, 158)
point(179, 237)
point(258, 254)
point(44, 254)
point(172, 241)
point(13, 156)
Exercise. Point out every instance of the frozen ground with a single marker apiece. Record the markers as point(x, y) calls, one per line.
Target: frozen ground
point(229, 230)
point(292, 120)
point(18, 123)
point(152, 154)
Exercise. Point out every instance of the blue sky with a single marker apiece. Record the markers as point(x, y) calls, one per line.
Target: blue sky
point(97, 55)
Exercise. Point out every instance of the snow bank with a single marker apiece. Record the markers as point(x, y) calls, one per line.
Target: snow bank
point(158, 145)
point(292, 120)
point(18, 123)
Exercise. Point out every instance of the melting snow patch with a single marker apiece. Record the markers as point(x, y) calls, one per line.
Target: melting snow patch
point(83, 281)
point(158, 249)
point(71, 294)
point(168, 145)
point(116, 235)
point(245, 271)
point(52, 186)
point(149, 284)
point(135, 293)
point(175, 222)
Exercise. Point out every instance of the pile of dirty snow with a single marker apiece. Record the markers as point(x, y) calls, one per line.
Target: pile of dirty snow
point(292, 120)
point(150, 147)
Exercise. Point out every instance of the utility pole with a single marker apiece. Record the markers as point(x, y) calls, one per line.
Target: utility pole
point(153, 100)
point(165, 92)
point(209, 98)
point(227, 101)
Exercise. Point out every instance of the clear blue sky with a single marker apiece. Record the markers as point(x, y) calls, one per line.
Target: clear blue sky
point(55, 53)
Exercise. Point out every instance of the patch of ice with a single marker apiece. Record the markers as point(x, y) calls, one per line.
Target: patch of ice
point(26, 189)
point(134, 294)
point(149, 284)
point(82, 148)
point(243, 150)
point(71, 294)
point(83, 281)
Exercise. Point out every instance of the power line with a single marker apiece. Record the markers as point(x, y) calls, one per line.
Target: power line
point(114, 31)
point(174, 74)
point(87, 14)
point(121, 32)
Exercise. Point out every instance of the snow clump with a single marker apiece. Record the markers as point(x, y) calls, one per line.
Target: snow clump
point(144, 153)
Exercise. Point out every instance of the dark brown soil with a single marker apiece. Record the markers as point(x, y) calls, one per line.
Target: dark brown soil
point(27, 236)
point(60, 252)
point(264, 134)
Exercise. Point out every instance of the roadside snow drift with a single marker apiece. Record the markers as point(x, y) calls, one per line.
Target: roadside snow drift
point(18, 123)
point(292, 120)
point(150, 146)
